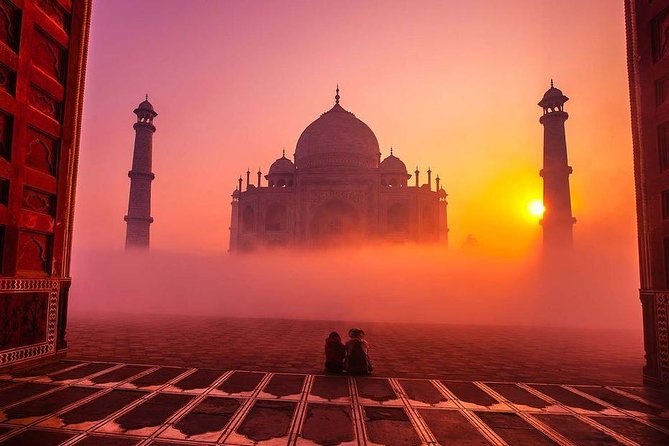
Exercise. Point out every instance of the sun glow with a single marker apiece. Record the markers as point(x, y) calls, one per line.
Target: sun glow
point(537, 208)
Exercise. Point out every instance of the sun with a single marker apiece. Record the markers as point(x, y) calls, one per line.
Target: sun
point(537, 208)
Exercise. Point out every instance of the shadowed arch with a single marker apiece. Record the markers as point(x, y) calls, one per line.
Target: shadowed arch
point(335, 219)
point(248, 219)
point(398, 218)
point(276, 218)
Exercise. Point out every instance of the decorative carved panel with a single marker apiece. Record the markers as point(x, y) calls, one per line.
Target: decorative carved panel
point(34, 254)
point(10, 24)
point(44, 102)
point(55, 12)
point(319, 197)
point(38, 201)
point(41, 152)
point(48, 55)
point(660, 30)
point(23, 318)
point(663, 144)
point(662, 308)
point(7, 80)
point(661, 90)
point(28, 318)
point(6, 122)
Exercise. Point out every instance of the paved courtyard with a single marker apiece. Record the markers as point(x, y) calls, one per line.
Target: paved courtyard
point(529, 354)
point(111, 404)
point(162, 380)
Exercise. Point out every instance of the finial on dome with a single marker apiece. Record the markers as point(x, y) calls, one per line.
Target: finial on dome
point(391, 151)
point(283, 153)
point(552, 83)
point(147, 96)
point(337, 95)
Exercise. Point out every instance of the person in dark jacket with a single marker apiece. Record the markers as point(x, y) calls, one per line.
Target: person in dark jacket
point(356, 360)
point(334, 353)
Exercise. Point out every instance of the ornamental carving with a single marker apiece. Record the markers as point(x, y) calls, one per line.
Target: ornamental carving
point(9, 24)
point(48, 56)
point(41, 152)
point(44, 103)
point(660, 31)
point(33, 252)
point(33, 327)
point(662, 306)
point(23, 318)
point(318, 198)
point(338, 159)
point(55, 12)
point(37, 201)
point(7, 78)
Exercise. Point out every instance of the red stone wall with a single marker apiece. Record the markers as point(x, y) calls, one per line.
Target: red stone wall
point(42, 59)
point(648, 65)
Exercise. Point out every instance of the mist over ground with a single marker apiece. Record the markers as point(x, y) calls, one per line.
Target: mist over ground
point(596, 285)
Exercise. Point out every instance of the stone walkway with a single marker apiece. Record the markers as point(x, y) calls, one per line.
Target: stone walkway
point(114, 404)
point(526, 354)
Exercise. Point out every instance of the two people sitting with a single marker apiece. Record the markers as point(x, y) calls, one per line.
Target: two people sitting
point(352, 358)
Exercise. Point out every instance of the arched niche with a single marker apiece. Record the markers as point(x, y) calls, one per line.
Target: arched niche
point(276, 217)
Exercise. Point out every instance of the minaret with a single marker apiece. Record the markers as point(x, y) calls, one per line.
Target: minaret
point(557, 221)
point(139, 206)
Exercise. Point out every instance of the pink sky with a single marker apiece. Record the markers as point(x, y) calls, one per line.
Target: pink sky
point(449, 84)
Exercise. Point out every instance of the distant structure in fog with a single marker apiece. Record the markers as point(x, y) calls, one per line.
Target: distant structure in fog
point(558, 221)
point(337, 192)
point(139, 205)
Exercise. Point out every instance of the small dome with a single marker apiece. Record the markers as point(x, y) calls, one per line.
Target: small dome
point(282, 166)
point(145, 105)
point(553, 97)
point(392, 164)
point(145, 108)
point(553, 93)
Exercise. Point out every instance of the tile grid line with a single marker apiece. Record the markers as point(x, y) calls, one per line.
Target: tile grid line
point(541, 427)
point(417, 421)
point(473, 419)
point(57, 386)
point(147, 397)
point(34, 377)
point(358, 413)
point(636, 398)
point(629, 413)
point(121, 411)
point(239, 417)
point(34, 423)
point(176, 416)
point(300, 411)
point(15, 382)
point(106, 389)
point(149, 394)
point(618, 437)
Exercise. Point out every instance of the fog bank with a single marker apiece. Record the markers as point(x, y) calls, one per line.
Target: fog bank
point(402, 283)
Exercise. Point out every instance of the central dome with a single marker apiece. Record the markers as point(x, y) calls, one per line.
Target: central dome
point(337, 139)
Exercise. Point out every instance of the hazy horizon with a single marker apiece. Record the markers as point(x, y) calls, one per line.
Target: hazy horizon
point(450, 86)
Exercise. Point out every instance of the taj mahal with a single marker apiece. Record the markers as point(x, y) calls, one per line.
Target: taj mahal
point(337, 192)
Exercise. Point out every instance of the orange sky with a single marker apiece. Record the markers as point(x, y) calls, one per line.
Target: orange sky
point(449, 84)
